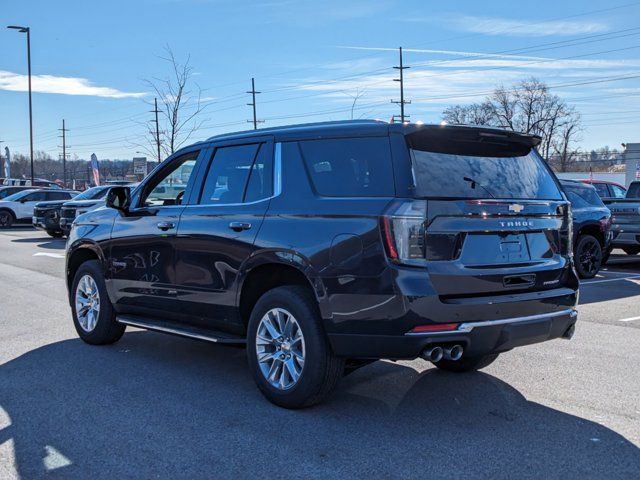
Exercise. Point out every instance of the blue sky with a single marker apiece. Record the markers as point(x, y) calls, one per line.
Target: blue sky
point(309, 59)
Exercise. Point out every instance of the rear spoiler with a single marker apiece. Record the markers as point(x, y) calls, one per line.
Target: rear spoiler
point(464, 140)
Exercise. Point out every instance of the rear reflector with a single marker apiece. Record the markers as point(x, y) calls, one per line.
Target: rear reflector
point(436, 327)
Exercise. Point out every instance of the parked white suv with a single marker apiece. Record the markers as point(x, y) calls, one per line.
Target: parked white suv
point(19, 206)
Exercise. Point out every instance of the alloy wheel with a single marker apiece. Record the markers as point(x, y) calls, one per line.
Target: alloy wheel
point(280, 348)
point(590, 256)
point(87, 303)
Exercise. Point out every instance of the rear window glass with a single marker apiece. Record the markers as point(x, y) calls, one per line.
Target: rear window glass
point(634, 190)
point(354, 167)
point(582, 197)
point(602, 189)
point(466, 176)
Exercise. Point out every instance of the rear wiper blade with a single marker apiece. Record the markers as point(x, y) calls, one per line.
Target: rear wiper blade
point(475, 182)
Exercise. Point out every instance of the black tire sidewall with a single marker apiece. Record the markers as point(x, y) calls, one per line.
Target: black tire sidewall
point(10, 218)
point(107, 330)
point(296, 301)
point(54, 234)
point(579, 245)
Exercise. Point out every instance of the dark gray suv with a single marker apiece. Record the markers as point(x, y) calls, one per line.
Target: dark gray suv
point(326, 246)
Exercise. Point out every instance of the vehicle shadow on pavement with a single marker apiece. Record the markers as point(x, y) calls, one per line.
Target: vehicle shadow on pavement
point(163, 407)
point(45, 242)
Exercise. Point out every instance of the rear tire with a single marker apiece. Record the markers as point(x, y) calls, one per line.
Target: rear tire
point(466, 364)
point(588, 256)
point(631, 250)
point(98, 327)
point(6, 218)
point(320, 370)
point(54, 233)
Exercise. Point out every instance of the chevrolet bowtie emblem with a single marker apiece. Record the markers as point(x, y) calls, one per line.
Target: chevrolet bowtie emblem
point(516, 207)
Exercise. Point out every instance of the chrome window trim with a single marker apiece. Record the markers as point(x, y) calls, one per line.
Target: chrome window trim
point(466, 327)
point(277, 184)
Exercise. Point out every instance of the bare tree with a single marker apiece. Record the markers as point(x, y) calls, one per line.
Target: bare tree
point(526, 107)
point(180, 106)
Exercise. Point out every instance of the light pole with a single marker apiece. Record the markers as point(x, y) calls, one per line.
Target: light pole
point(27, 31)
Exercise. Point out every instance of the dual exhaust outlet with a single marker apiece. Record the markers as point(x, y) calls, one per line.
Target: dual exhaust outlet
point(435, 354)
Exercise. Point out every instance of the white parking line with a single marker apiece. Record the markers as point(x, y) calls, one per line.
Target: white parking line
point(47, 254)
point(632, 319)
point(630, 277)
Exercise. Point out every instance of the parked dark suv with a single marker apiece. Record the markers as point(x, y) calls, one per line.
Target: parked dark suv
point(591, 227)
point(330, 245)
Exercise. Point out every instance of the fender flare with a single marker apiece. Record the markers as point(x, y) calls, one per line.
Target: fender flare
point(289, 258)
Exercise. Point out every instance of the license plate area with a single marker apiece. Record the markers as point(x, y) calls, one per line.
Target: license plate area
point(519, 281)
point(488, 249)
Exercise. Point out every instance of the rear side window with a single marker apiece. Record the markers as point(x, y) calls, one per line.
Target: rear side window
point(602, 189)
point(467, 176)
point(582, 197)
point(58, 196)
point(353, 167)
point(619, 192)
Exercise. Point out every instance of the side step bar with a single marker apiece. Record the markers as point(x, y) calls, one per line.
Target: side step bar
point(181, 329)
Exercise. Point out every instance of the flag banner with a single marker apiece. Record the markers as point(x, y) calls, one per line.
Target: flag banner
point(7, 163)
point(95, 169)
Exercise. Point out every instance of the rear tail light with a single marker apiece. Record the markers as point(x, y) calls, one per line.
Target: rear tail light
point(403, 231)
point(407, 241)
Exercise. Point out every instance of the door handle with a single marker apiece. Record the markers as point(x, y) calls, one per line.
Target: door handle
point(164, 226)
point(239, 226)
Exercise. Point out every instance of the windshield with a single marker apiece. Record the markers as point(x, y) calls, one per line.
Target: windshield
point(17, 196)
point(93, 193)
point(467, 176)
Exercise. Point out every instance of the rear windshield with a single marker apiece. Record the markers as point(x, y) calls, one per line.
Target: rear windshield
point(466, 176)
point(582, 196)
point(634, 190)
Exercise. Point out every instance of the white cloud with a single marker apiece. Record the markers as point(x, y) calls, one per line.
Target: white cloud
point(523, 28)
point(62, 85)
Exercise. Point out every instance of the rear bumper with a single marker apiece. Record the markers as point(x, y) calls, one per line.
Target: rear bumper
point(477, 338)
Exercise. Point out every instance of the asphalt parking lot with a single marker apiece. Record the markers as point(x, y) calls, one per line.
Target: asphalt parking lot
point(155, 406)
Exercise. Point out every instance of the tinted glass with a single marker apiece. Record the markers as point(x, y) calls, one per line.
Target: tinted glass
point(602, 189)
point(4, 193)
point(261, 178)
point(582, 196)
point(36, 197)
point(354, 167)
point(465, 176)
point(619, 192)
point(93, 193)
point(17, 196)
point(58, 196)
point(168, 185)
point(228, 173)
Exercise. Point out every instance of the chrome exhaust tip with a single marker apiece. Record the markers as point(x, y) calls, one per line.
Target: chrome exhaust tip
point(453, 353)
point(433, 354)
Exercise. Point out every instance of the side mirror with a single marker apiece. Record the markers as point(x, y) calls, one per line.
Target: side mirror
point(119, 198)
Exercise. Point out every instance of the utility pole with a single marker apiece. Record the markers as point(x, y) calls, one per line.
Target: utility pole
point(28, 32)
point(64, 153)
point(156, 111)
point(402, 101)
point(253, 104)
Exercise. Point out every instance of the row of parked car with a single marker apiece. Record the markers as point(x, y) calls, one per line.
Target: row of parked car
point(50, 209)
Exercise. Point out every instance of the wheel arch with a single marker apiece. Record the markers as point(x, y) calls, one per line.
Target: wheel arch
point(268, 270)
point(592, 229)
point(80, 253)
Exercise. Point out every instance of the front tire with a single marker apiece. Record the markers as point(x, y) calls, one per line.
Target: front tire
point(54, 233)
point(93, 314)
point(6, 218)
point(287, 350)
point(588, 256)
point(466, 364)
